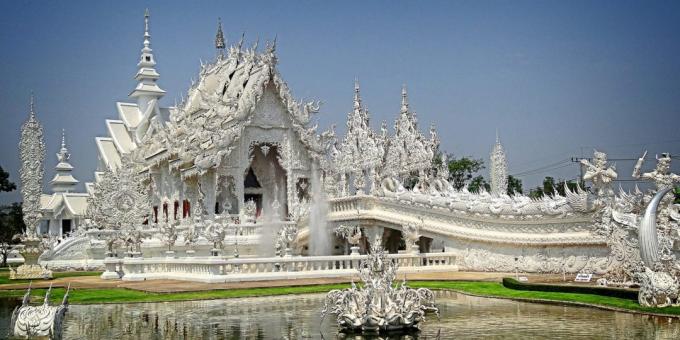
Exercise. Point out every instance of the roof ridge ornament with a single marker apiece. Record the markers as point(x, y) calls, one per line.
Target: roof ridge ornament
point(240, 42)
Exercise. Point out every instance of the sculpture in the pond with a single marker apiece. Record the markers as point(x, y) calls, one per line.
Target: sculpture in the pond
point(39, 321)
point(379, 305)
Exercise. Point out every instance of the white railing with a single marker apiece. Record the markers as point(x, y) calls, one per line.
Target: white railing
point(219, 269)
point(446, 223)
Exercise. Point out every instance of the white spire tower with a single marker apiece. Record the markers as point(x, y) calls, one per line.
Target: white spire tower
point(63, 181)
point(220, 44)
point(146, 90)
point(404, 100)
point(499, 169)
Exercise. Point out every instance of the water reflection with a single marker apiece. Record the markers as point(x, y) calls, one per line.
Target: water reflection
point(297, 317)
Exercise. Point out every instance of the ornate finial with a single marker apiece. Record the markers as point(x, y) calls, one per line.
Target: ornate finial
point(219, 38)
point(498, 139)
point(404, 99)
point(146, 23)
point(32, 105)
point(63, 154)
point(357, 96)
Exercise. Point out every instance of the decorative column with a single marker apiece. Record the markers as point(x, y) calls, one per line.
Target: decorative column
point(32, 154)
point(207, 184)
point(240, 189)
point(499, 169)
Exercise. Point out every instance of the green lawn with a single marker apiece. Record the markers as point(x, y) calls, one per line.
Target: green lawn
point(489, 289)
point(496, 289)
point(120, 295)
point(4, 276)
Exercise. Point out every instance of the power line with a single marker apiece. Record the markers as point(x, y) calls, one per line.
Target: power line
point(633, 144)
point(544, 169)
point(560, 162)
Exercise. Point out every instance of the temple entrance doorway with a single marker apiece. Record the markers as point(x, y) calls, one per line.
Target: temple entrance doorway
point(265, 181)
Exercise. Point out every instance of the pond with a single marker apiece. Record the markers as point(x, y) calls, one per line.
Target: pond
point(298, 317)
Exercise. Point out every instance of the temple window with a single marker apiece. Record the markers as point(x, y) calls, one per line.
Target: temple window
point(175, 210)
point(186, 209)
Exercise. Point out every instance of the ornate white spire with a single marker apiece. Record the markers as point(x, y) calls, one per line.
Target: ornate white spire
point(499, 169)
point(357, 95)
point(63, 181)
point(359, 152)
point(146, 89)
point(404, 100)
point(220, 44)
point(32, 154)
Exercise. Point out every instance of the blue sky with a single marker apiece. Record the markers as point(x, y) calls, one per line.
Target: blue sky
point(555, 78)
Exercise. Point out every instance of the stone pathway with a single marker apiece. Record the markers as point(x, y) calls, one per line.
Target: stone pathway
point(173, 286)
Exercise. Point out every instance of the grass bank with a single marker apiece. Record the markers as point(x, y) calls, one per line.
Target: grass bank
point(487, 289)
point(122, 295)
point(4, 276)
point(496, 289)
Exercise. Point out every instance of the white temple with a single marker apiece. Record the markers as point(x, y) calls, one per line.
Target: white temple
point(239, 171)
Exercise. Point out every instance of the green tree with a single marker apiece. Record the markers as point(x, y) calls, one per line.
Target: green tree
point(11, 223)
point(514, 186)
point(11, 218)
point(536, 192)
point(462, 171)
point(5, 184)
point(550, 187)
point(477, 183)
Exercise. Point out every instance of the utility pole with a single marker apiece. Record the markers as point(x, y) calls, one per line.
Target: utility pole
point(580, 167)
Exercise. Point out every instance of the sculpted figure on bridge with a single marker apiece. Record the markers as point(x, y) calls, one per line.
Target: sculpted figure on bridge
point(661, 176)
point(600, 174)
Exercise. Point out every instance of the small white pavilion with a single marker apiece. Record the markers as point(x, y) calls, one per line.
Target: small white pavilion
point(63, 209)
